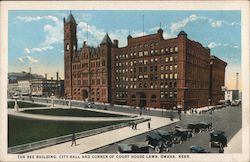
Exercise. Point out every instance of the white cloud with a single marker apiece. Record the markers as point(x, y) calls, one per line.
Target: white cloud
point(31, 60)
point(184, 22)
point(20, 59)
point(216, 44)
point(216, 24)
point(213, 45)
point(176, 26)
point(26, 50)
point(54, 32)
point(38, 49)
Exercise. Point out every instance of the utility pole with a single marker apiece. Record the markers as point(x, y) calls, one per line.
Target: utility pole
point(30, 94)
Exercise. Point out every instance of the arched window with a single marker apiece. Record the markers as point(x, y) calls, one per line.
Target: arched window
point(153, 98)
point(132, 98)
point(67, 46)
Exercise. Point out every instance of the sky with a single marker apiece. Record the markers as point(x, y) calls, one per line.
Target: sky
point(35, 37)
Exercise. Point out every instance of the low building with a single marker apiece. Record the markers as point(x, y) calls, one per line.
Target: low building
point(47, 88)
point(24, 87)
point(232, 95)
point(12, 88)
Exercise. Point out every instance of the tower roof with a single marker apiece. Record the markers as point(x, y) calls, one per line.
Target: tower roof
point(71, 19)
point(182, 33)
point(106, 39)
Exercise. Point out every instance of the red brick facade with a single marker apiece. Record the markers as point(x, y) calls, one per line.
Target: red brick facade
point(150, 71)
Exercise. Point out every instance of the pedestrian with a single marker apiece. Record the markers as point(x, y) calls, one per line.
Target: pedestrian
point(135, 125)
point(148, 125)
point(140, 113)
point(73, 138)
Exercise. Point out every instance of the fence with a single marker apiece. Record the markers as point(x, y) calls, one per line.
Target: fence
point(57, 140)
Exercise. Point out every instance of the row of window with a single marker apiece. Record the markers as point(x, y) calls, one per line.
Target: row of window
point(145, 61)
point(146, 76)
point(145, 85)
point(85, 65)
point(146, 53)
point(145, 69)
point(153, 98)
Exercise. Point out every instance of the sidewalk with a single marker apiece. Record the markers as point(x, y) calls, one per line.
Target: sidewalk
point(106, 138)
point(235, 144)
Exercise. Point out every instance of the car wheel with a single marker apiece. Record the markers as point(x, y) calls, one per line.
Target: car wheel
point(157, 149)
point(210, 144)
point(166, 149)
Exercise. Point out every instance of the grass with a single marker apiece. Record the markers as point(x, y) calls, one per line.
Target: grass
point(24, 130)
point(22, 104)
point(71, 112)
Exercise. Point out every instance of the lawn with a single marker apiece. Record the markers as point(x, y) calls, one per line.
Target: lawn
point(24, 130)
point(71, 112)
point(22, 104)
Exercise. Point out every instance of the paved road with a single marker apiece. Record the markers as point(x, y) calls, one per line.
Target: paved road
point(227, 119)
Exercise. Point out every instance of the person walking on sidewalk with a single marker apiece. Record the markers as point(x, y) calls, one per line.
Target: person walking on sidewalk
point(73, 138)
point(149, 125)
point(179, 112)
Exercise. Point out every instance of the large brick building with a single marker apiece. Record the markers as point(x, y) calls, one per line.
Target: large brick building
point(150, 71)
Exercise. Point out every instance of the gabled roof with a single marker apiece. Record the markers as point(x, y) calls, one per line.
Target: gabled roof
point(106, 40)
point(70, 19)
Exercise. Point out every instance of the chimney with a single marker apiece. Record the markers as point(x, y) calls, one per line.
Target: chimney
point(45, 76)
point(51, 78)
point(57, 76)
point(116, 42)
point(237, 81)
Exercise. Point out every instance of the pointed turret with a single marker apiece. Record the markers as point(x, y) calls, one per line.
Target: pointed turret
point(70, 19)
point(106, 40)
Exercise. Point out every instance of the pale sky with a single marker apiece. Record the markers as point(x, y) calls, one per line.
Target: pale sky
point(36, 37)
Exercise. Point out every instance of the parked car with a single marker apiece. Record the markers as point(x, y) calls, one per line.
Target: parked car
point(197, 149)
point(133, 148)
point(205, 126)
point(218, 139)
point(167, 136)
point(198, 127)
point(156, 142)
point(194, 127)
point(181, 134)
point(236, 103)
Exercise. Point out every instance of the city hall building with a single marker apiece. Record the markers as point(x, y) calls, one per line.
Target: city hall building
point(149, 72)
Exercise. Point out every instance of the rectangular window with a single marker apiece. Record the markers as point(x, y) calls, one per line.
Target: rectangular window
point(171, 76)
point(175, 75)
point(166, 76)
point(166, 59)
point(176, 49)
point(171, 58)
point(162, 67)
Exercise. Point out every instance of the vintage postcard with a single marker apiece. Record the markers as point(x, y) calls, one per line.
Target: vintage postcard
point(124, 81)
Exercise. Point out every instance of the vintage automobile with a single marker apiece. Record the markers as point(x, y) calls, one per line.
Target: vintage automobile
point(156, 142)
point(133, 148)
point(218, 139)
point(197, 149)
point(205, 126)
point(198, 127)
point(167, 136)
point(181, 134)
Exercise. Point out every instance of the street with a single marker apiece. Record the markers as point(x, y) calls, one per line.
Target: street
point(227, 119)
